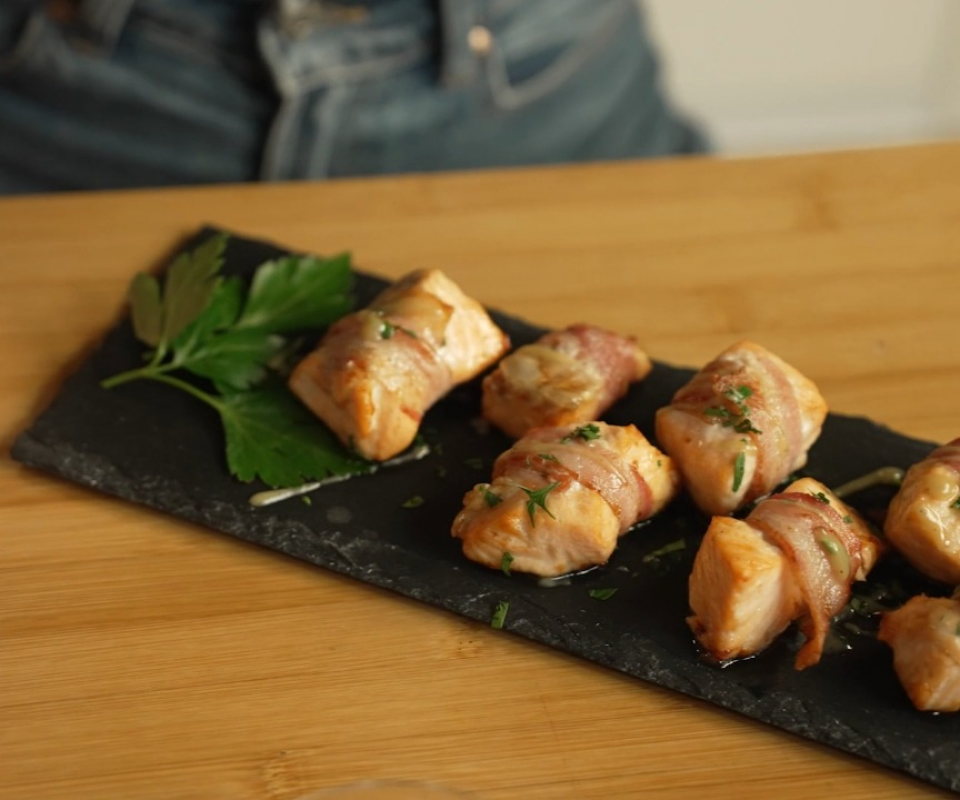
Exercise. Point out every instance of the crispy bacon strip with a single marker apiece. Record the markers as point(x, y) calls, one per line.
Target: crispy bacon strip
point(923, 519)
point(560, 498)
point(567, 376)
point(793, 558)
point(824, 552)
point(376, 372)
point(948, 454)
point(740, 426)
point(555, 455)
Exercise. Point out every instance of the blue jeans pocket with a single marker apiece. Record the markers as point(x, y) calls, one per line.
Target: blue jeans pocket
point(533, 54)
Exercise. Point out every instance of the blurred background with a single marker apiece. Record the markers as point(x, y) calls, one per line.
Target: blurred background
point(799, 75)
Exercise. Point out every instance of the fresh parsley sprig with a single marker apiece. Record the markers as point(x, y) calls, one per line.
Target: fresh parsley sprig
point(199, 323)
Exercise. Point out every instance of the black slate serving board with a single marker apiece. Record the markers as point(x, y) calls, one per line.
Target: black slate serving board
point(158, 447)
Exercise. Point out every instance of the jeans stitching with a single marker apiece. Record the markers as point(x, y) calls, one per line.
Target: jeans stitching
point(509, 97)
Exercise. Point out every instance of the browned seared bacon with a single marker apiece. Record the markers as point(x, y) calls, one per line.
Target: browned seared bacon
point(923, 521)
point(924, 634)
point(740, 427)
point(559, 499)
point(377, 371)
point(567, 376)
point(793, 558)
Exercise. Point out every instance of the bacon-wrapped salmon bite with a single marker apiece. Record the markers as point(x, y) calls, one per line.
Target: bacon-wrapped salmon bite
point(740, 427)
point(568, 376)
point(560, 498)
point(793, 558)
point(923, 520)
point(377, 371)
point(923, 634)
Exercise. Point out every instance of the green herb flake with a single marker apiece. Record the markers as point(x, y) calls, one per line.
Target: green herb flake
point(505, 563)
point(738, 468)
point(602, 594)
point(956, 503)
point(492, 500)
point(549, 457)
point(387, 329)
point(675, 546)
point(538, 498)
point(413, 502)
point(821, 497)
point(739, 421)
point(848, 519)
point(586, 432)
point(499, 615)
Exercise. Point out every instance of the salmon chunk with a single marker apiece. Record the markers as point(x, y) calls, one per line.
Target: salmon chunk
point(924, 634)
point(566, 377)
point(561, 497)
point(377, 371)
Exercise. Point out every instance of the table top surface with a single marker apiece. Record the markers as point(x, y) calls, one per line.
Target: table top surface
point(140, 653)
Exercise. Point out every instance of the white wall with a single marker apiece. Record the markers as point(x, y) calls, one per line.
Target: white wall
point(792, 75)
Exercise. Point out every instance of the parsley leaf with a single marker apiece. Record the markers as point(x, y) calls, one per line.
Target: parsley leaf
point(214, 328)
point(273, 437)
point(160, 314)
point(295, 292)
point(505, 562)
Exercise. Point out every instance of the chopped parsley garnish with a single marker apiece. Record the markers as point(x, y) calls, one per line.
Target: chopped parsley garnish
point(848, 519)
point(548, 457)
point(538, 497)
point(672, 547)
point(956, 503)
point(505, 562)
point(585, 432)
point(821, 497)
point(491, 499)
point(413, 502)
point(738, 466)
point(388, 329)
point(602, 594)
point(739, 420)
point(499, 615)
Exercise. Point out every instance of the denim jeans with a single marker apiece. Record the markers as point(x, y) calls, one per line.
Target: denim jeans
point(125, 93)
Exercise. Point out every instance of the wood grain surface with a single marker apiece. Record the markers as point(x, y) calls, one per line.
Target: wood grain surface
point(141, 657)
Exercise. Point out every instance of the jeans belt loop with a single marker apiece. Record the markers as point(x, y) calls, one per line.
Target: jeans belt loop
point(464, 42)
point(104, 19)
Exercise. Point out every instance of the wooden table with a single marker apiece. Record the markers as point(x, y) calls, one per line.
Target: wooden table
point(139, 655)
